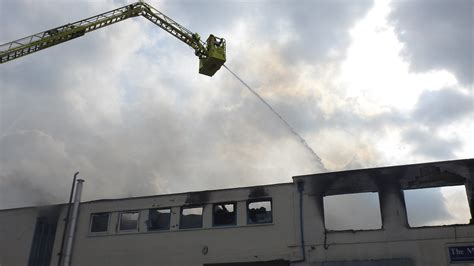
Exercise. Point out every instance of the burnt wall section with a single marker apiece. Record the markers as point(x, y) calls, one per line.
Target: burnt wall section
point(392, 206)
point(258, 192)
point(390, 182)
point(396, 242)
point(470, 189)
point(196, 198)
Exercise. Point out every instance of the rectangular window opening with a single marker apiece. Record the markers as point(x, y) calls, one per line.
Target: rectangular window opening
point(99, 222)
point(437, 206)
point(191, 217)
point(224, 214)
point(356, 211)
point(128, 221)
point(159, 219)
point(259, 211)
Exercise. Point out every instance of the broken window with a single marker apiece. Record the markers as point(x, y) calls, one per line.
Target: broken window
point(437, 206)
point(159, 219)
point(99, 222)
point(259, 211)
point(224, 214)
point(128, 221)
point(191, 217)
point(356, 211)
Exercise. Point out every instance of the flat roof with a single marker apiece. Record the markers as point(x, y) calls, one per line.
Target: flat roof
point(470, 160)
point(155, 195)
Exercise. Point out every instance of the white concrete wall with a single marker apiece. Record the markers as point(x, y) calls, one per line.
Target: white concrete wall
point(242, 242)
point(16, 233)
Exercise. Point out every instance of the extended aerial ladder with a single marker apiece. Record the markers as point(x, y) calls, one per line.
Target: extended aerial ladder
point(211, 54)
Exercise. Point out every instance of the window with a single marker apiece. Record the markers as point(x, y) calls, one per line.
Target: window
point(99, 222)
point(128, 221)
point(223, 214)
point(259, 211)
point(437, 206)
point(356, 211)
point(191, 217)
point(159, 219)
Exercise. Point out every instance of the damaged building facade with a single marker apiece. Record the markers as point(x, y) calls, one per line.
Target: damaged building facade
point(281, 224)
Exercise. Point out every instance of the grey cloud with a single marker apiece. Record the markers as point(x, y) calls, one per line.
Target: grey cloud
point(321, 27)
point(441, 108)
point(437, 34)
point(17, 190)
point(305, 114)
point(30, 161)
point(157, 146)
point(430, 145)
point(316, 29)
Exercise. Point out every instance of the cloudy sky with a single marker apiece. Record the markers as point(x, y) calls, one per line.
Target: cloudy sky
point(366, 83)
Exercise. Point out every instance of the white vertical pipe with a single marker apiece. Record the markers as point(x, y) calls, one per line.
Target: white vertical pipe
point(72, 225)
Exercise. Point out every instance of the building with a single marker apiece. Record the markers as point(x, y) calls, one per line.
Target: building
point(281, 224)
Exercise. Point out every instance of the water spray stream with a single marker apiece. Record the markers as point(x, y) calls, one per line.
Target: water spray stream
point(292, 130)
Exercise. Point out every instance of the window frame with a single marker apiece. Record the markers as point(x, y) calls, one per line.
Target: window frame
point(259, 200)
point(182, 208)
point(234, 203)
point(149, 229)
point(109, 214)
point(120, 222)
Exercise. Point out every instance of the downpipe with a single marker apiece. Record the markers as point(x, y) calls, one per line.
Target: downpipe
point(72, 227)
point(300, 185)
point(66, 220)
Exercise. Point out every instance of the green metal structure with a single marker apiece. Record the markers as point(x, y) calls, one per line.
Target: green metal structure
point(212, 53)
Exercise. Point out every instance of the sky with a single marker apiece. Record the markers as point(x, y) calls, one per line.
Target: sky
point(365, 83)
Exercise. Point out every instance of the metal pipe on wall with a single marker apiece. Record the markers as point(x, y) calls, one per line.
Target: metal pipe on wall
point(300, 186)
point(72, 226)
point(66, 220)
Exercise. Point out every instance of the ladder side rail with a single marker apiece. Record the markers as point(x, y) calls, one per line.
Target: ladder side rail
point(43, 34)
point(174, 28)
point(42, 40)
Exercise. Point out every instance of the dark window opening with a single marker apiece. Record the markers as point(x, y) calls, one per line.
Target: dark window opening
point(159, 219)
point(224, 214)
point(259, 211)
point(128, 221)
point(191, 217)
point(43, 241)
point(99, 222)
point(355, 211)
point(437, 206)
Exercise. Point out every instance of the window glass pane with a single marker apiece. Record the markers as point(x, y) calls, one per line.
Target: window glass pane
point(224, 214)
point(191, 217)
point(159, 219)
point(259, 212)
point(437, 206)
point(99, 222)
point(128, 221)
point(356, 211)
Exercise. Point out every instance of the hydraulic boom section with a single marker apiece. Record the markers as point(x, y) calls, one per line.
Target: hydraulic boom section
point(211, 54)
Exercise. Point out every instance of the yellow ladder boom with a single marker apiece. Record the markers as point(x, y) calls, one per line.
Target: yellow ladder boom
point(212, 54)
